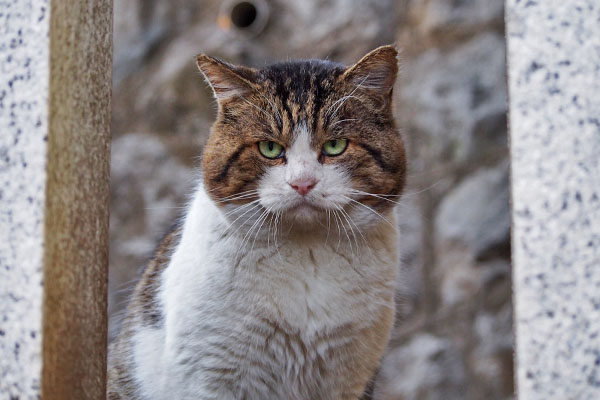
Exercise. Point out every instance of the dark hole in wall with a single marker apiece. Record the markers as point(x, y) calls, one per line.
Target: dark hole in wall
point(243, 14)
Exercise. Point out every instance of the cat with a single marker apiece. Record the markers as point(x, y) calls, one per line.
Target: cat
point(279, 281)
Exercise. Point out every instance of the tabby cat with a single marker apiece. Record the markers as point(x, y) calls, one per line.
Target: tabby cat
point(279, 281)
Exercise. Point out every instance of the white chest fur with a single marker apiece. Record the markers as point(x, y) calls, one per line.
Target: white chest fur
point(258, 323)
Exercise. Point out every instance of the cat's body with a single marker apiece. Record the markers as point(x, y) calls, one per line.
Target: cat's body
point(279, 283)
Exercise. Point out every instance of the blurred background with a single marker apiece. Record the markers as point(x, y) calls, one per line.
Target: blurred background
point(453, 336)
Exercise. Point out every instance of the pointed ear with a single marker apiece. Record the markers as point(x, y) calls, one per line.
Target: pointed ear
point(375, 73)
point(226, 80)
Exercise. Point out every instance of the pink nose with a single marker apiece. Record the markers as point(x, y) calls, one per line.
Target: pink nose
point(303, 186)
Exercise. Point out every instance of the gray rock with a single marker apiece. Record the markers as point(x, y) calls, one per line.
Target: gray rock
point(427, 367)
point(410, 223)
point(140, 27)
point(441, 16)
point(458, 276)
point(491, 360)
point(449, 99)
point(315, 26)
point(476, 212)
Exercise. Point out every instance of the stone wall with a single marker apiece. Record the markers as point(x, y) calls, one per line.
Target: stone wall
point(453, 338)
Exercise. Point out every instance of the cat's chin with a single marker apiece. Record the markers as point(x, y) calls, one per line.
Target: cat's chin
point(305, 213)
point(305, 210)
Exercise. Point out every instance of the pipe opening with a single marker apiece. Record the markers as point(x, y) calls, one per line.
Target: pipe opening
point(243, 14)
point(247, 18)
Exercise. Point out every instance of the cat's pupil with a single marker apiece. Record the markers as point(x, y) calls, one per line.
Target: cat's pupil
point(333, 143)
point(271, 145)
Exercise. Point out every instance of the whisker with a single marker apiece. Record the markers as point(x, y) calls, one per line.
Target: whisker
point(247, 235)
point(239, 197)
point(375, 195)
point(165, 208)
point(277, 113)
point(401, 204)
point(359, 232)
point(245, 212)
point(424, 190)
point(343, 120)
point(356, 269)
point(339, 230)
point(404, 194)
point(240, 208)
point(267, 214)
point(328, 225)
point(344, 99)
point(246, 197)
point(275, 232)
point(370, 209)
point(249, 197)
point(257, 107)
point(341, 210)
point(239, 193)
point(347, 236)
point(269, 232)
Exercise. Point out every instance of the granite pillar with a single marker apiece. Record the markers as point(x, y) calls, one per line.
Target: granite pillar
point(554, 113)
point(24, 51)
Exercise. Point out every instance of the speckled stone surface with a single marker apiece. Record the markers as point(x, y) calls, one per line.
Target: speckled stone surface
point(23, 126)
point(554, 92)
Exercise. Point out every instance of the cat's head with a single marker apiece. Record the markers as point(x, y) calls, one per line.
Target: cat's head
point(305, 140)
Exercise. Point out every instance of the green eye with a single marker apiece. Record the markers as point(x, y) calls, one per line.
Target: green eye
point(335, 147)
point(270, 149)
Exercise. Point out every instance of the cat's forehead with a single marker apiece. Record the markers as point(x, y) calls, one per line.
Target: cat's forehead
point(295, 78)
point(300, 89)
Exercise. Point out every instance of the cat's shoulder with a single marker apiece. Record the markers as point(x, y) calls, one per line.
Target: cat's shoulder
point(143, 311)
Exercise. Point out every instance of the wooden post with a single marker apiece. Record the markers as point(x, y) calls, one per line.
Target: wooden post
point(55, 124)
point(554, 105)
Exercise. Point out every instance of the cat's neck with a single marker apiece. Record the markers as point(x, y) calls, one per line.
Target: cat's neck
point(328, 265)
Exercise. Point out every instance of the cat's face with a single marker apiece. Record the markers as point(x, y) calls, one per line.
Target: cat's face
point(311, 142)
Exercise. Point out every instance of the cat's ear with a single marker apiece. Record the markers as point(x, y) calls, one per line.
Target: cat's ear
point(226, 80)
point(375, 73)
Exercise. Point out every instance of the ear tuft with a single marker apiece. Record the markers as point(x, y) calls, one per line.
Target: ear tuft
point(376, 71)
point(226, 80)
